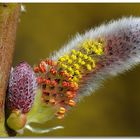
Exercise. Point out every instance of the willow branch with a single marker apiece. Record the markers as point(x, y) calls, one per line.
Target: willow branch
point(9, 14)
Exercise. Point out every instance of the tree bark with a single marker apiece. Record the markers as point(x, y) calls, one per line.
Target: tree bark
point(9, 14)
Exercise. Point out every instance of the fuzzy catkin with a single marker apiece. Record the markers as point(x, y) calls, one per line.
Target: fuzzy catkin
point(122, 50)
point(77, 69)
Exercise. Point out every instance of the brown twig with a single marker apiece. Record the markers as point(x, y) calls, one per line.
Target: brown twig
point(9, 14)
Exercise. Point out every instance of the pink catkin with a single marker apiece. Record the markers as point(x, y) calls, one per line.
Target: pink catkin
point(22, 86)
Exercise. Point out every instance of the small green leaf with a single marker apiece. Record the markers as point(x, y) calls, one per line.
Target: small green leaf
point(16, 120)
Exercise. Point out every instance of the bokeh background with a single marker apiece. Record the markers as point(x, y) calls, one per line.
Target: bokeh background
point(114, 109)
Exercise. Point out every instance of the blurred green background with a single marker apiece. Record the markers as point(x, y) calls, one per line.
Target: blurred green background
point(114, 109)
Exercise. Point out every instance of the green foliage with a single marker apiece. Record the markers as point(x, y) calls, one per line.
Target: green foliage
point(40, 111)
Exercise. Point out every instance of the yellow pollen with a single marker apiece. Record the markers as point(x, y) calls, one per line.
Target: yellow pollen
point(88, 67)
point(64, 66)
point(73, 57)
point(75, 79)
point(80, 54)
point(87, 50)
point(70, 69)
point(93, 64)
point(62, 59)
point(76, 66)
point(79, 60)
point(77, 72)
point(85, 56)
point(69, 61)
point(89, 58)
point(83, 63)
point(74, 51)
point(80, 76)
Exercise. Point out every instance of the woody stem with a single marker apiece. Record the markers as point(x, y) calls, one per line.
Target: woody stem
point(9, 14)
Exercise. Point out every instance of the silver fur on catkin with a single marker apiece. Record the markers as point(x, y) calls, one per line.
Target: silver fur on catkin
point(122, 50)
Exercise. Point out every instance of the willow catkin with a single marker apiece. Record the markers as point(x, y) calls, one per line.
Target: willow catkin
point(81, 65)
point(89, 59)
point(121, 50)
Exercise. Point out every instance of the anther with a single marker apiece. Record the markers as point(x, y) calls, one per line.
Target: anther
point(53, 83)
point(47, 82)
point(53, 71)
point(39, 80)
point(52, 101)
point(71, 103)
point(36, 69)
point(62, 110)
point(60, 116)
point(42, 66)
